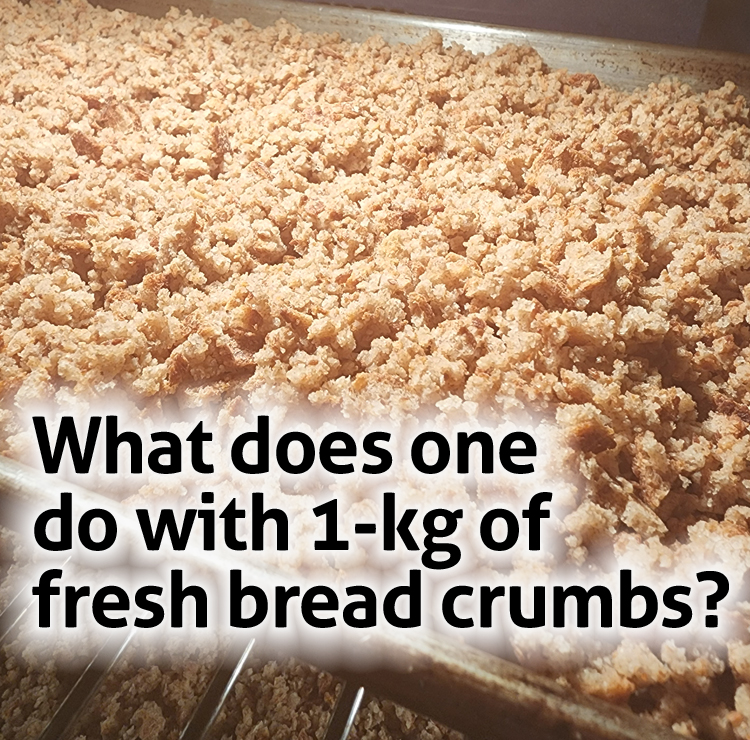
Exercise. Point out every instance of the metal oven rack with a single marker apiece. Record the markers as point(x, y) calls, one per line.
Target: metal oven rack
point(209, 706)
point(468, 690)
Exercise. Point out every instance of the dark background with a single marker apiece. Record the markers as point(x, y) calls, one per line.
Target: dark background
point(727, 26)
point(713, 24)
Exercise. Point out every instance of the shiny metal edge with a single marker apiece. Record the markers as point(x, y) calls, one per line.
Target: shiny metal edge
point(621, 64)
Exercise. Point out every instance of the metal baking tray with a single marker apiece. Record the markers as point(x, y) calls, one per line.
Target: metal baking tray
point(474, 692)
point(622, 64)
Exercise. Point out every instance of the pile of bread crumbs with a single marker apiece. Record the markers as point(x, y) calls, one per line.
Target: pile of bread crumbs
point(201, 209)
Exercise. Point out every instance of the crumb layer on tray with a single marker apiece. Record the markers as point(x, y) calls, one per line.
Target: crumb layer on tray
point(191, 207)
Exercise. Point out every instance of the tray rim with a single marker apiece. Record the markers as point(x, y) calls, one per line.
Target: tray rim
point(620, 63)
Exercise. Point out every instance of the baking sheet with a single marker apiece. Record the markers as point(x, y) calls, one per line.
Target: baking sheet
point(623, 64)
